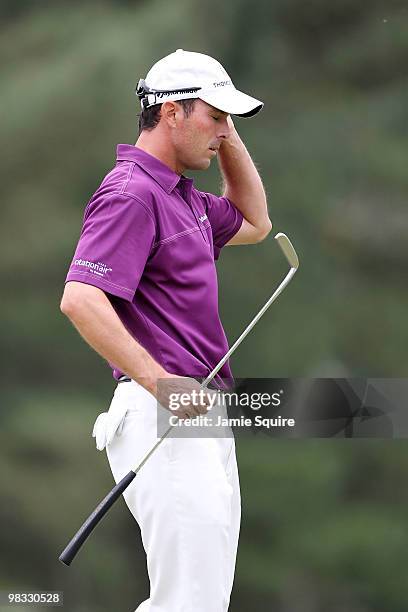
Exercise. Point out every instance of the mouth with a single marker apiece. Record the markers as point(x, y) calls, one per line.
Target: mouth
point(213, 150)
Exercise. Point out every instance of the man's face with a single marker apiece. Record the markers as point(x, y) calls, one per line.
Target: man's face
point(198, 137)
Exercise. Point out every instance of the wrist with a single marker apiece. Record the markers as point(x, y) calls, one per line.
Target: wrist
point(150, 381)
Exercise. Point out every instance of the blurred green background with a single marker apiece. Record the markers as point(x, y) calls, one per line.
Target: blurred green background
point(324, 521)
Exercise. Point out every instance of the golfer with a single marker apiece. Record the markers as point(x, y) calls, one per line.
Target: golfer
point(142, 291)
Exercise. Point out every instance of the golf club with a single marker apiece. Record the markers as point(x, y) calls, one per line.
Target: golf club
point(88, 526)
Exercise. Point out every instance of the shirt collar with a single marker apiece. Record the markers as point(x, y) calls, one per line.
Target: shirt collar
point(162, 174)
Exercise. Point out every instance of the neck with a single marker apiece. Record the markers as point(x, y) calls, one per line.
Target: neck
point(156, 144)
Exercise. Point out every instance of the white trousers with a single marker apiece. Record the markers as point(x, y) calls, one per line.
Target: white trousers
point(186, 500)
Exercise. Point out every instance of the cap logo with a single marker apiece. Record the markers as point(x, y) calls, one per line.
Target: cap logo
point(163, 94)
point(221, 83)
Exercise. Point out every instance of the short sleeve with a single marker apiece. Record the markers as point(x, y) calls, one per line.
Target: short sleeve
point(116, 240)
point(225, 219)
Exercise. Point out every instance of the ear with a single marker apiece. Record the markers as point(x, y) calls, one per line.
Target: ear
point(170, 112)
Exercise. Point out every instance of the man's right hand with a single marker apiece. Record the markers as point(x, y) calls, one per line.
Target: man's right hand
point(183, 396)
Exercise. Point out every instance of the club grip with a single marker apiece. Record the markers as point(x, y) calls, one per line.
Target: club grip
point(89, 525)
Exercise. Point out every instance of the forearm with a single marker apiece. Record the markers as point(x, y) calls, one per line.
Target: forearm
point(242, 183)
point(92, 314)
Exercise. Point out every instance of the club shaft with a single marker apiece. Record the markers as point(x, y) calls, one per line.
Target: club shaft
point(252, 324)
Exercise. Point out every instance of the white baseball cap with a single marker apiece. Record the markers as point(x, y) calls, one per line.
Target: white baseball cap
point(186, 74)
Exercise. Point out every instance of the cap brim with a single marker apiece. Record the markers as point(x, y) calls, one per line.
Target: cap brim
point(232, 101)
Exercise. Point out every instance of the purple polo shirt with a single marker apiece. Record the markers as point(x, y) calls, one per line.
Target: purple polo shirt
point(149, 240)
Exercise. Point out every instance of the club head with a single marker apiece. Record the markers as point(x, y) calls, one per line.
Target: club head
point(288, 250)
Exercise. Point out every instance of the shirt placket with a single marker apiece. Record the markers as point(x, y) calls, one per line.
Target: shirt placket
point(185, 189)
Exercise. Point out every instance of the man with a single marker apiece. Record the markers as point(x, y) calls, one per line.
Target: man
point(142, 291)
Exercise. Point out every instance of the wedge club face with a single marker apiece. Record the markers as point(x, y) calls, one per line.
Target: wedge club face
point(288, 250)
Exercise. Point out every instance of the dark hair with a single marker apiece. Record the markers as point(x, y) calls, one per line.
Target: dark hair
point(150, 117)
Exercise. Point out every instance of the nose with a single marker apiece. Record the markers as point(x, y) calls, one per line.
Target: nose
point(223, 129)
